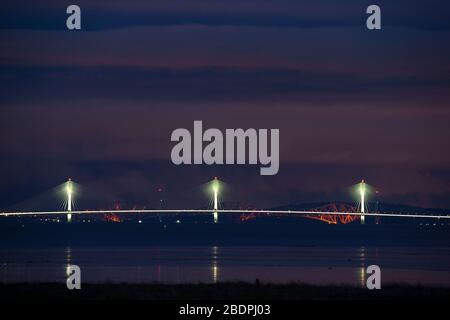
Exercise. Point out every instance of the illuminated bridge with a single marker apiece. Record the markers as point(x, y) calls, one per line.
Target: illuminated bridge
point(327, 216)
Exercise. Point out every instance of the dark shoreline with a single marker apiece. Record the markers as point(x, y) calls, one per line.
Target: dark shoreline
point(217, 292)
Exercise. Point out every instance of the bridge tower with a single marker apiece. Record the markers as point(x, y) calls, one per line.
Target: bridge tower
point(362, 193)
point(69, 192)
point(215, 189)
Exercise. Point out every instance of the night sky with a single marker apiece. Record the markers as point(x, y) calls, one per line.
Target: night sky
point(99, 104)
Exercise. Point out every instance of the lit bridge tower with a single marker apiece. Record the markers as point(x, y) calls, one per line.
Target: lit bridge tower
point(69, 192)
point(215, 189)
point(362, 193)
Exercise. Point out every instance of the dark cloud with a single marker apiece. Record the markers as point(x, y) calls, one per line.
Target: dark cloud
point(347, 51)
point(69, 84)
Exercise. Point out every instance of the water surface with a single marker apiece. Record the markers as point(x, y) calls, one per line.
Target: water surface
point(209, 264)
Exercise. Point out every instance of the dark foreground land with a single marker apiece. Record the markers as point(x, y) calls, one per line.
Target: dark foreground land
point(219, 291)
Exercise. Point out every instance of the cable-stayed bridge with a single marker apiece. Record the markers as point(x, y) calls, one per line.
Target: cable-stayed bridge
point(225, 211)
point(327, 216)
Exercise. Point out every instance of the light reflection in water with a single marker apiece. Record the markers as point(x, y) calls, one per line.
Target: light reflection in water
point(315, 265)
point(362, 266)
point(68, 257)
point(215, 264)
point(158, 268)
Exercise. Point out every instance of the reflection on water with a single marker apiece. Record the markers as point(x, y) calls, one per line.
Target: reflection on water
point(68, 260)
point(177, 264)
point(214, 264)
point(362, 268)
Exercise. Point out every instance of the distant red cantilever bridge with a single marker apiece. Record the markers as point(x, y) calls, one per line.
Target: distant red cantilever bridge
point(322, 213)
point(333, 218)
